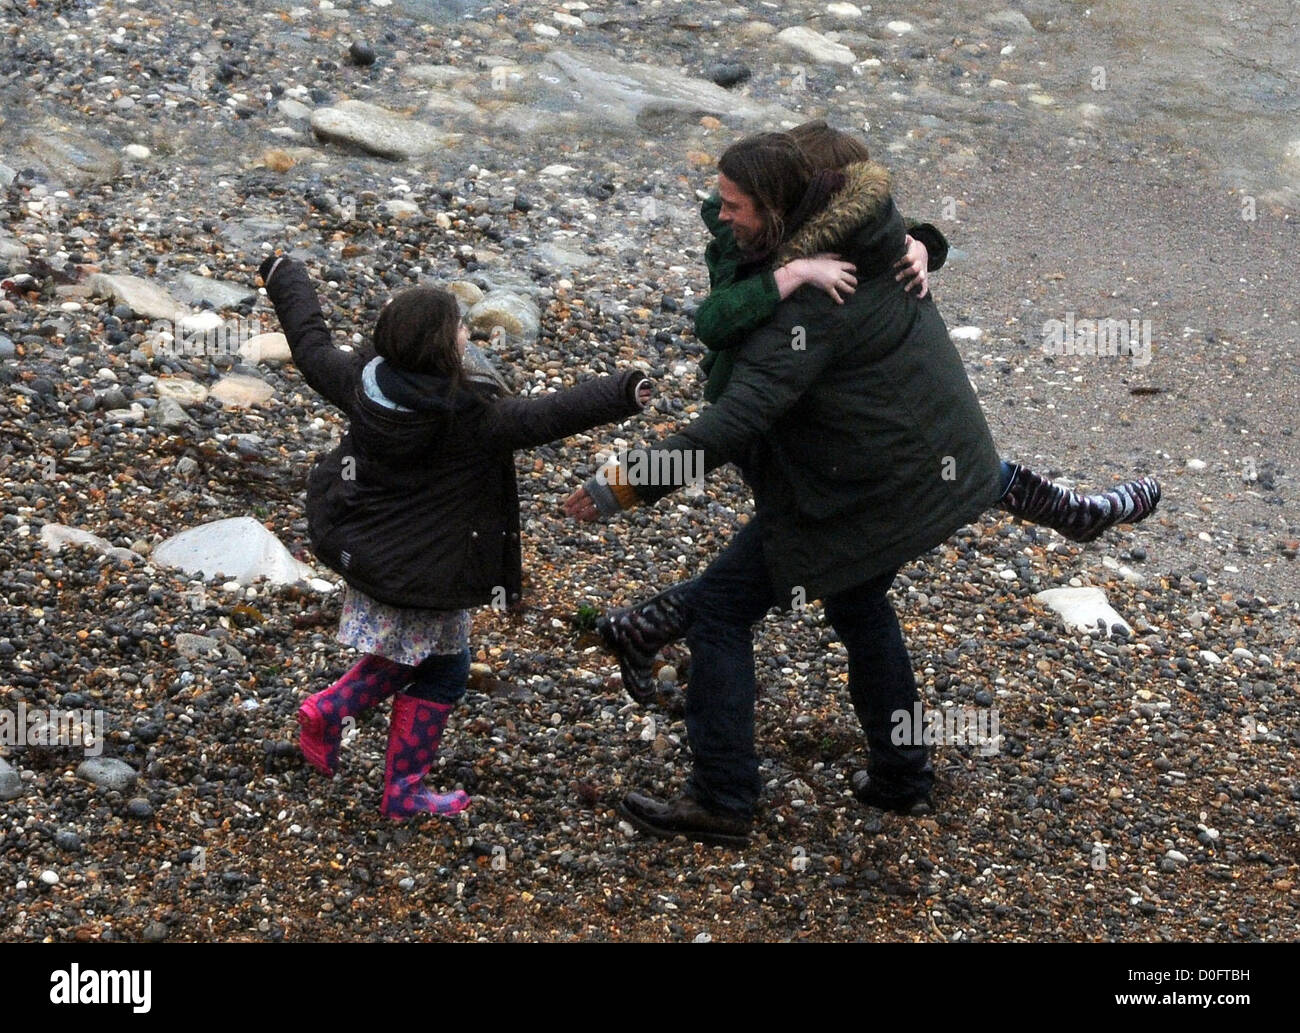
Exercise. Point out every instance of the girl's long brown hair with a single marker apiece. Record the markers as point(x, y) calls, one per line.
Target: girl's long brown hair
point(417, 331)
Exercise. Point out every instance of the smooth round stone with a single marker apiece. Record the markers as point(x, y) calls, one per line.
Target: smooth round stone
point(67, 840)
point(139, 808)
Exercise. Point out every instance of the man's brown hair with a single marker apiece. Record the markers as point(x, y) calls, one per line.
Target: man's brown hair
point(771, 169)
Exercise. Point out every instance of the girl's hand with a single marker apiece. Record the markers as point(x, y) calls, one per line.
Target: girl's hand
point(824, 270)
point(831, 273)
point(915, 267)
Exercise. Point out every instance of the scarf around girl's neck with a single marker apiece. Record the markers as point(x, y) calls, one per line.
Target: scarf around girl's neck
point(820, 189)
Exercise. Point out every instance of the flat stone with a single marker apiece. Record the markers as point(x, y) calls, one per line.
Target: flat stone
point(239, 391)
point(470, 294)
point(71, 157)
point(193, 646)
point(379, 131)
point(144, 298)
point(1082, 608)
point(294, 109)
point(186, 392)
point(169, 414)
point(108, 773)
point(1010, 20)
point(272, 349)
point(197, 289)
point(562, 257)
point(814, 45)
point(55, 536)
point(11, 249)
point(238, 548)
point(400, 209)
point(631, 96)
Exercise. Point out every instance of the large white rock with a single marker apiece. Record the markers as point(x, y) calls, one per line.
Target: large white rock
point(239, 548)
point(814, 45)
point(378, 130)
point(144, 297)
point(1082, 608)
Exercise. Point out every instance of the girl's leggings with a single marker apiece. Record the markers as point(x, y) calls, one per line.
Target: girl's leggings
point(440, 677)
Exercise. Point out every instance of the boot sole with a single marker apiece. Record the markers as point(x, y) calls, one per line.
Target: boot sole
point(427, 814)
point(659, 832)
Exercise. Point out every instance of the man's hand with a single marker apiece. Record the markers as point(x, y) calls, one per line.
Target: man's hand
point(580, 506)
point(914, 266)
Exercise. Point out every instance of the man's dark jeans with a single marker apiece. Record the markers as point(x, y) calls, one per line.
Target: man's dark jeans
point(727, 600)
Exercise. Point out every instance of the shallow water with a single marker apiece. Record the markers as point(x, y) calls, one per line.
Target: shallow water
point(1218, 80)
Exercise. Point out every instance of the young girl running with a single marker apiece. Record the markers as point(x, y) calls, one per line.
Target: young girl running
point(745, 290)
point(417, 510)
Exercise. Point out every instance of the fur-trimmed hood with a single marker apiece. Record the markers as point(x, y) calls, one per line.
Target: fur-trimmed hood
point(864, 197)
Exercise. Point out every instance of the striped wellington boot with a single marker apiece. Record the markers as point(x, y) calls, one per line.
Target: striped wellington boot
point(1081, 518)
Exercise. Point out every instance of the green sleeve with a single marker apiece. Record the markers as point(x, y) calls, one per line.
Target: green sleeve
point(735, 309)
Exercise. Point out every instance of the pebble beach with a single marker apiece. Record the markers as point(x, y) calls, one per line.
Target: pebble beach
point(547, 162)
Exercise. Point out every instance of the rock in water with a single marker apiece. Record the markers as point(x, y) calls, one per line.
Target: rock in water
point(516, 315)
point(239, 548)
point(1083, 609)
point(814, 45)
point(108, 773)
point(629, 95)
point(378, 131)
point(240, 391)
point(143, 297)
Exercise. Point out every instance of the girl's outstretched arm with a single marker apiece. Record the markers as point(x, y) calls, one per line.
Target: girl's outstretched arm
point(523, 422)
point(329, 370)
